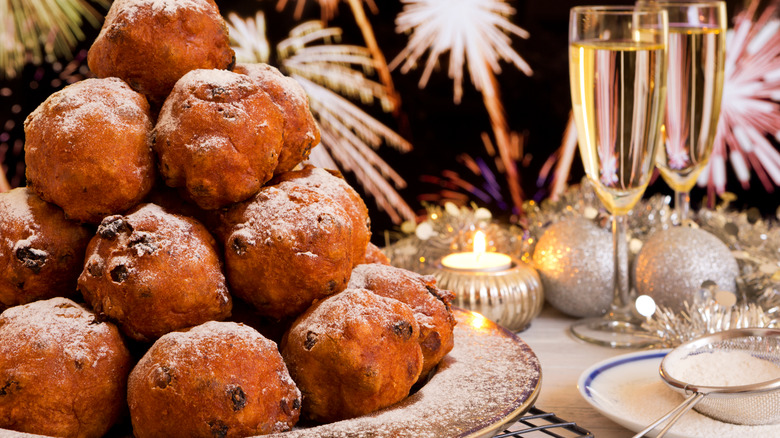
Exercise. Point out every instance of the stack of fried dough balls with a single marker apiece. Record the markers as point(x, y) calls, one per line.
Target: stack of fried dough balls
point(167, 198)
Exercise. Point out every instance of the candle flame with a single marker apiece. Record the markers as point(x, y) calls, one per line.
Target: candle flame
point(479, 243)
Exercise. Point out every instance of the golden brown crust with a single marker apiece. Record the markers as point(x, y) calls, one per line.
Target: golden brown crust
point(285, 248)
point(431, 305)
point(219, 379)
point(41, 252)
point(330, 183)
point(88, 149)
point(353, 353)
point(62, 372)
point(154, 272)
point(301, 132)
point(152, 43)
point(374, 254)
point(218, 137)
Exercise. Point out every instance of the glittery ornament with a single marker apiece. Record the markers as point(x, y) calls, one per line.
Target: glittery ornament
point(575, 262)
point(755, 244)
point(674, 263)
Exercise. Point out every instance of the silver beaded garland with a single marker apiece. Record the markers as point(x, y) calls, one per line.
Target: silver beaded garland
point(575, 262)
point(674, 263)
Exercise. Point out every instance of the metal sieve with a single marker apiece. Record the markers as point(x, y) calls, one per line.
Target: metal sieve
point(747, 404)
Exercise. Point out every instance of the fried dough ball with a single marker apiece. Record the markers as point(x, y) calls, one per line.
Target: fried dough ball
point(88, 149)
point(286, 248)
point(152, 43)
point(431, 305)
point(63, 372)
point(154, 272)
point(218, 136)
point(41, 252)
point(353, 353)
point(301, 132)
point(330, 183)
point(219, 379)
point(375, 255)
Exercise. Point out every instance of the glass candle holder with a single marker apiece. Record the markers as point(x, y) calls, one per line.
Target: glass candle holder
point(510, 297)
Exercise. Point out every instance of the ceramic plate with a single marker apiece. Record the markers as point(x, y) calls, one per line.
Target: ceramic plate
point(488, 380)
point(628, 390)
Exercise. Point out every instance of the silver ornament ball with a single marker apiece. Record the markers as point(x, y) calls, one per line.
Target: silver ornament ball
point(575, 262)
point(674, 263)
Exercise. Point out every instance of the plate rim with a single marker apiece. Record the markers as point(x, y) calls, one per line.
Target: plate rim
point(489, 430)
point(590, 374)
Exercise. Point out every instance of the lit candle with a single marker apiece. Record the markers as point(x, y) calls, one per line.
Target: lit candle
point(478, 260)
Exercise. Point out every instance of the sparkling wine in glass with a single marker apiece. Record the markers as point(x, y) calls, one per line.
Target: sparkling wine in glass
point(617, 67)
point(694, 81)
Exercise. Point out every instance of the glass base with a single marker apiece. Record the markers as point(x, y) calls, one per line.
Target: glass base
point(609, 332)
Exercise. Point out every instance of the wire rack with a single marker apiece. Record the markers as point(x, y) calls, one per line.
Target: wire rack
point(538, 423)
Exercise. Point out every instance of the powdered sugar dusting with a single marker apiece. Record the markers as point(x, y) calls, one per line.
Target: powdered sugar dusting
point(15, 209)
point(192, 341)
point(489, 375)
point(55, 322)
point(215, 76)
point(169, 121)
point(130, 8)
point(173, 233)
point(14, 205)
point(322, 181)
point(353, 310)
point(362, 273)
point(210, 339)
point(722, 368)
point(288, 214)
point(75, 107)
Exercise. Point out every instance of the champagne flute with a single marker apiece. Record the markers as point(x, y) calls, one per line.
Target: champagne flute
point(617, 67)
point(694, 84)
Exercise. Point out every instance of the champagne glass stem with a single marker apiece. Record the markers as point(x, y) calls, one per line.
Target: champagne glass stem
point(682, 205)
point(621, 301)
point(619, 327)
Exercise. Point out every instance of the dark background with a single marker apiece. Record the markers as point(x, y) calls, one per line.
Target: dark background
point(537, 106)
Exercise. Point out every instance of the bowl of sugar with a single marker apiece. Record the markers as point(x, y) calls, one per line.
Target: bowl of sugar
point(731, 376)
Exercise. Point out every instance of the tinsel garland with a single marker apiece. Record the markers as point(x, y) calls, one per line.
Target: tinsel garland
point(753, 240)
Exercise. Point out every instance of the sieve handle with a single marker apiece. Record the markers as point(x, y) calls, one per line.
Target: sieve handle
point(677, 412)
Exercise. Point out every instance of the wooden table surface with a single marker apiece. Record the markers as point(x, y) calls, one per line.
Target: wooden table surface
point(564, 358)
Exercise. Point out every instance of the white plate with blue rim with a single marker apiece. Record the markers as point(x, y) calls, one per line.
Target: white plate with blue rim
point(628, 390)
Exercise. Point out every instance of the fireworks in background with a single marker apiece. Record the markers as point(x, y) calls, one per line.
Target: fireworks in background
point(477, 33)
point(456, 189)
point(43, 31)
point(750, 111)
point(329, 9)
point(749, 148)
